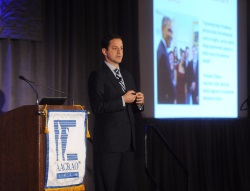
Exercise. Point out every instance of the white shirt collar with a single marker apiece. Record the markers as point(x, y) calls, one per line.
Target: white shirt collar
point(111, 67)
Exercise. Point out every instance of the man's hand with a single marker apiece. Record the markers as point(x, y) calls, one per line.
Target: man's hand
point(129, 96)
point(139, 98)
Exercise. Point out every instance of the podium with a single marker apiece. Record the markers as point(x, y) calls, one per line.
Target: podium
point(23, 147)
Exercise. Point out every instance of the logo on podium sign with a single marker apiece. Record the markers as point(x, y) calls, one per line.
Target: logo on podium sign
point(66, 148)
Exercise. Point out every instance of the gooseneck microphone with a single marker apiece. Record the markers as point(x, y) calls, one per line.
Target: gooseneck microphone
point(28, 81)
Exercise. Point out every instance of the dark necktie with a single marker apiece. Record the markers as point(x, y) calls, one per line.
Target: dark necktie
point(119, 78)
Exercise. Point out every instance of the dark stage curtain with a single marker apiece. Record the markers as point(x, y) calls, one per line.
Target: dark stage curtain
point(57, 43)
point(215, 153)
point(69, 47)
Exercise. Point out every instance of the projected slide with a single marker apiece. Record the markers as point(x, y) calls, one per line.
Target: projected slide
point(195, 58)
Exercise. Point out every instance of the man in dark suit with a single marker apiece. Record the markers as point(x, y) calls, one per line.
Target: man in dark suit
point(188, 96)
point(193, 76)
point(113, 99)
point(166, 89)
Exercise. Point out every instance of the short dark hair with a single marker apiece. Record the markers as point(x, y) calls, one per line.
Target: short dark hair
point(165, 21)
point(107, 38)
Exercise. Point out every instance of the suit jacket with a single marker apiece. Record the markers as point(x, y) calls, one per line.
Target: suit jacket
point(114, 129)
point(193, 76)
point(166, 89)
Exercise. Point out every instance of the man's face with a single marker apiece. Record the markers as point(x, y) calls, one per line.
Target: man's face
point(183, 56)
point(114, 54)
point(167, 33)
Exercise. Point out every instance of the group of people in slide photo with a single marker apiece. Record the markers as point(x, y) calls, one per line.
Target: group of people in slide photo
point(177, 77)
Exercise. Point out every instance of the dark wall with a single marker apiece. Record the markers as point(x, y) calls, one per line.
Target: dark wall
point(215, 152)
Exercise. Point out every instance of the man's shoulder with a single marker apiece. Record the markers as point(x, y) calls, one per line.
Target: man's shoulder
point(101, 69)
point(98, 73)
point(125, 72)
point(161, 50)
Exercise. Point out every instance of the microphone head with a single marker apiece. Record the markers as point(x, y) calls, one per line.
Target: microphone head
point(22, 78)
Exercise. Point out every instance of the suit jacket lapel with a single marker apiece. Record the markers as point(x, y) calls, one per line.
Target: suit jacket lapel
point(125, 79)
point(113, 79)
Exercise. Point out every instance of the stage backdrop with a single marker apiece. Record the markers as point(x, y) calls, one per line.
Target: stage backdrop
point(57, 44)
